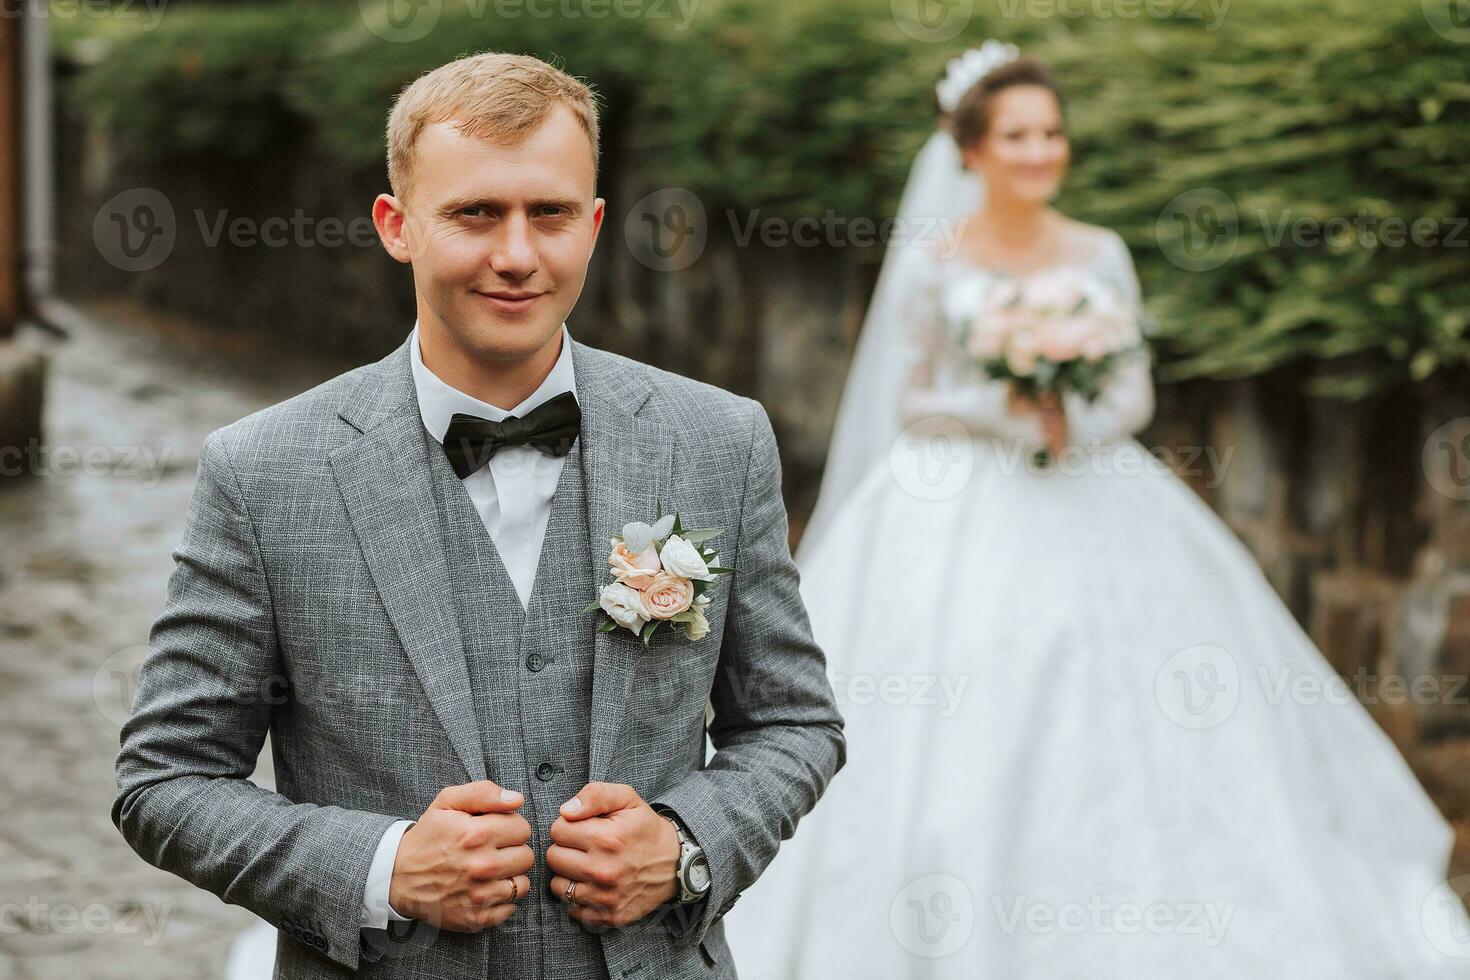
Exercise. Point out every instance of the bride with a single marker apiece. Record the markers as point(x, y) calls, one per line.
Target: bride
point(1082, 735)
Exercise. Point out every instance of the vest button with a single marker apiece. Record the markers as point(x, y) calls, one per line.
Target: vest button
point(545, 771)
point(535, 662)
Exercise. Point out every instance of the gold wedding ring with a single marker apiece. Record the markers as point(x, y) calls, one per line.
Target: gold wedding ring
point(571, 887)
point(515, 889)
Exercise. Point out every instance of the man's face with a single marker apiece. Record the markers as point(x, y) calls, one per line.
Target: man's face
point(500, 236)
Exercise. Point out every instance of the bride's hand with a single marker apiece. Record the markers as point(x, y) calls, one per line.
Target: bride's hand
point(1053, 422)
point(1018, 403)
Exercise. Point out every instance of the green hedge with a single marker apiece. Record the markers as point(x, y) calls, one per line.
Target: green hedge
point(1294, 111)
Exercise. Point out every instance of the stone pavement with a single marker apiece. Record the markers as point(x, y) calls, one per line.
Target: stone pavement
point(86, 540)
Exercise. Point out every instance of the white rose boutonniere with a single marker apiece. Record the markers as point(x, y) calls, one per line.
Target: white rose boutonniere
point(661, 574)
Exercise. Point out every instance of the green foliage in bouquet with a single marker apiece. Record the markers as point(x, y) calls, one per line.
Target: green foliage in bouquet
point(1079, 375)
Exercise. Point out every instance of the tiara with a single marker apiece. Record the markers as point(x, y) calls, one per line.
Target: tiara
point(963, 72)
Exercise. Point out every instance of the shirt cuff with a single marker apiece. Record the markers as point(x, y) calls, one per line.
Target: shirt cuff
point(377, 911)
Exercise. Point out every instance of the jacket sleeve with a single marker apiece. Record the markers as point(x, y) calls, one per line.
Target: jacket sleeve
point(776, 730)
point(201, 712)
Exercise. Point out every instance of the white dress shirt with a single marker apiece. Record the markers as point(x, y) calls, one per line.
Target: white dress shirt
point(512, 495)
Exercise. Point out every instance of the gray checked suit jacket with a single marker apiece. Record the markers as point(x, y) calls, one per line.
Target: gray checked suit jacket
point(312, 552)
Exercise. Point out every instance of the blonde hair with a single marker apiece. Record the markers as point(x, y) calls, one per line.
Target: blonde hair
point(495, 96)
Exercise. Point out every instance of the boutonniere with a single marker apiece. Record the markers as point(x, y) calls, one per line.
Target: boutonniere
point(662, 573)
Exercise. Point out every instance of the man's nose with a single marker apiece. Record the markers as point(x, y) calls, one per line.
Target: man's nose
point(513, 253)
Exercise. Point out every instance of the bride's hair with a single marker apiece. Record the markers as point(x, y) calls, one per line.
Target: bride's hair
point(970, 120)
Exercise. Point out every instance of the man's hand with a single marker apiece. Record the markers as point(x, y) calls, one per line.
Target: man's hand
point(463, 866)
point(621, 854)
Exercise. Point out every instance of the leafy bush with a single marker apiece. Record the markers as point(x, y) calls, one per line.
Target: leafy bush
point(1214, 148)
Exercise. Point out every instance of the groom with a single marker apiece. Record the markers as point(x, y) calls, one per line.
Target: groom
point(386, 574)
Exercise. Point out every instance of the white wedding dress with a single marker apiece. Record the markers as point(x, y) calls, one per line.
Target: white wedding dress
point(1083, 738)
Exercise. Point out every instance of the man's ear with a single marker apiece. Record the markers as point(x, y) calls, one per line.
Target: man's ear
point(599, 211)
point(390, 217)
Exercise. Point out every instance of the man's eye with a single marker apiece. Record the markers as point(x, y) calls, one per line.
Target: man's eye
point(555, 211)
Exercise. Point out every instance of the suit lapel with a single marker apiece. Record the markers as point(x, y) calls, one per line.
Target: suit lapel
point(386, 481)
point(385, 478)
point(626, 463)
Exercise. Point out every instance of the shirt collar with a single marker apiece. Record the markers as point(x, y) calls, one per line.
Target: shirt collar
point(438, 401)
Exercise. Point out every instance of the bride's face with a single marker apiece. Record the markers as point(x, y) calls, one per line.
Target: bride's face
point(1024, 154)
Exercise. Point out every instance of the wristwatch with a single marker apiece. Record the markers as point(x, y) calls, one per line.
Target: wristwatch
point(692, 874)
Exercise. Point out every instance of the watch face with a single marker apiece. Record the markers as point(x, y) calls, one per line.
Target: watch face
point(699, 875)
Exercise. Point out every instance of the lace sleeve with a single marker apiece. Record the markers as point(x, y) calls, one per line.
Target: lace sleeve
point(1126, 403)
point(940, 379)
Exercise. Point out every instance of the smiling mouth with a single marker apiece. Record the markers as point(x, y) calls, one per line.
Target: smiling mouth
point(510, 300)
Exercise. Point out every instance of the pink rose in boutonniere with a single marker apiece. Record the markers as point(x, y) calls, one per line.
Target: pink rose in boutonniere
point(661, 573)
point(633, 570)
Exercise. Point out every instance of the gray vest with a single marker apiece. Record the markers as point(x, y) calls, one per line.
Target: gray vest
point(532, 699)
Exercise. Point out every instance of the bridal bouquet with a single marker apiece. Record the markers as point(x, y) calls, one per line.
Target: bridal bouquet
point(661, 573)
point(1055, 331)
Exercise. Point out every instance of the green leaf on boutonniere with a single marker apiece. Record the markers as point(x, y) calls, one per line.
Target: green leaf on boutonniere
point(698, 535)
point(722, 571)
point(594, 604)
point(648, 629)
point(687, 616)
point(607, 627)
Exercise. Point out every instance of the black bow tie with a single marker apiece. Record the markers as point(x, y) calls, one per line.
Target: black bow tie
point(470, 441)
